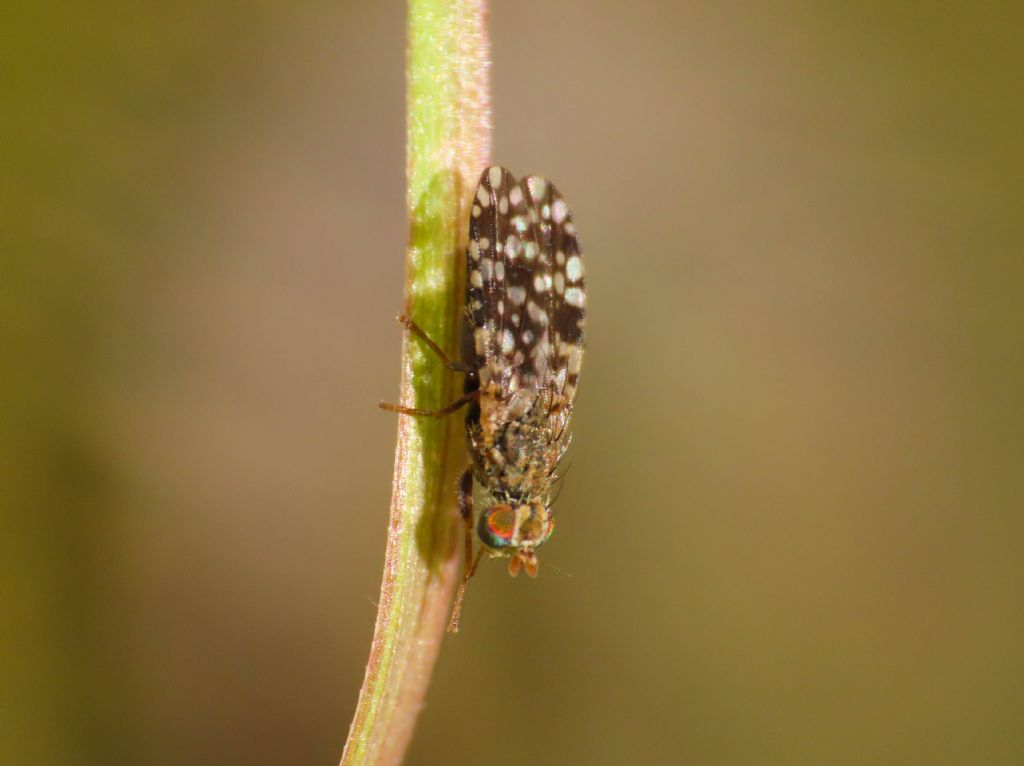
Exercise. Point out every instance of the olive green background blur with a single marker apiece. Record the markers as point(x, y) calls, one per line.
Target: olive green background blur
point(792, 529)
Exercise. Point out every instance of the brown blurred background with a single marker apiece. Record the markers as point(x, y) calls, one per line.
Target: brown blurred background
point(792, 530)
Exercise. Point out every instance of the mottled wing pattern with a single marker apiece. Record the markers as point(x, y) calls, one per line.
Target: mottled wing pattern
point(557, 288)
point(526, 293)
point(501, 243)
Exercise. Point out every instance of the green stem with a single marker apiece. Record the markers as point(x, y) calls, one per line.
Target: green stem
point(447, 144)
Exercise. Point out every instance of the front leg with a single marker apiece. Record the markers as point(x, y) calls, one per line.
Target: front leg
point(469, 563)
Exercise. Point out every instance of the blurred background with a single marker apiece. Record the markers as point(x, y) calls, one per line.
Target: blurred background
point(792, 530)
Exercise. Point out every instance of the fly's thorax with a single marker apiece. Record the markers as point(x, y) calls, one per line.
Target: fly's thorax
point(516, 531)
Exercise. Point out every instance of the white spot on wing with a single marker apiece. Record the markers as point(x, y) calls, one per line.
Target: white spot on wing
point(559, 380)
point(507, 342)
point(574, 296)
point(537, 314)
point(574, 269)
point(494, 175)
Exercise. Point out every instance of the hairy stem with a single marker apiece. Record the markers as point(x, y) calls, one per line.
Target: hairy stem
point(447, 145)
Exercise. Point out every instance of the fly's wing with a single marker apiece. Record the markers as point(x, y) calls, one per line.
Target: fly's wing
point(555, 298)
point(502, 240)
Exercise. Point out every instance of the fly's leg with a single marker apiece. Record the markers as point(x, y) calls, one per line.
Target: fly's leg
point(453, 623)
point(470, 563)
point(450, 363)
point(415, 329)
point(466, 513)
point(466, 481)
point(447, 410)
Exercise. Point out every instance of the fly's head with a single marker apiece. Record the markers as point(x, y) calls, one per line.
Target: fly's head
point(516, 531)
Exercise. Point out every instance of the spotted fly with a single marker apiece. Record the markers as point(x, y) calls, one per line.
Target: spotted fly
point(522, 348)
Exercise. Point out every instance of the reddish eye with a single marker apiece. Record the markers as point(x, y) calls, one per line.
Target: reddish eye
point(497, 526)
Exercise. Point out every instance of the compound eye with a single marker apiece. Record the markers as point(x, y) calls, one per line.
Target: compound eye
point(497, 526)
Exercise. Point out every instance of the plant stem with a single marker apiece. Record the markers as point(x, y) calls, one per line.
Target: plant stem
point(447, 145)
